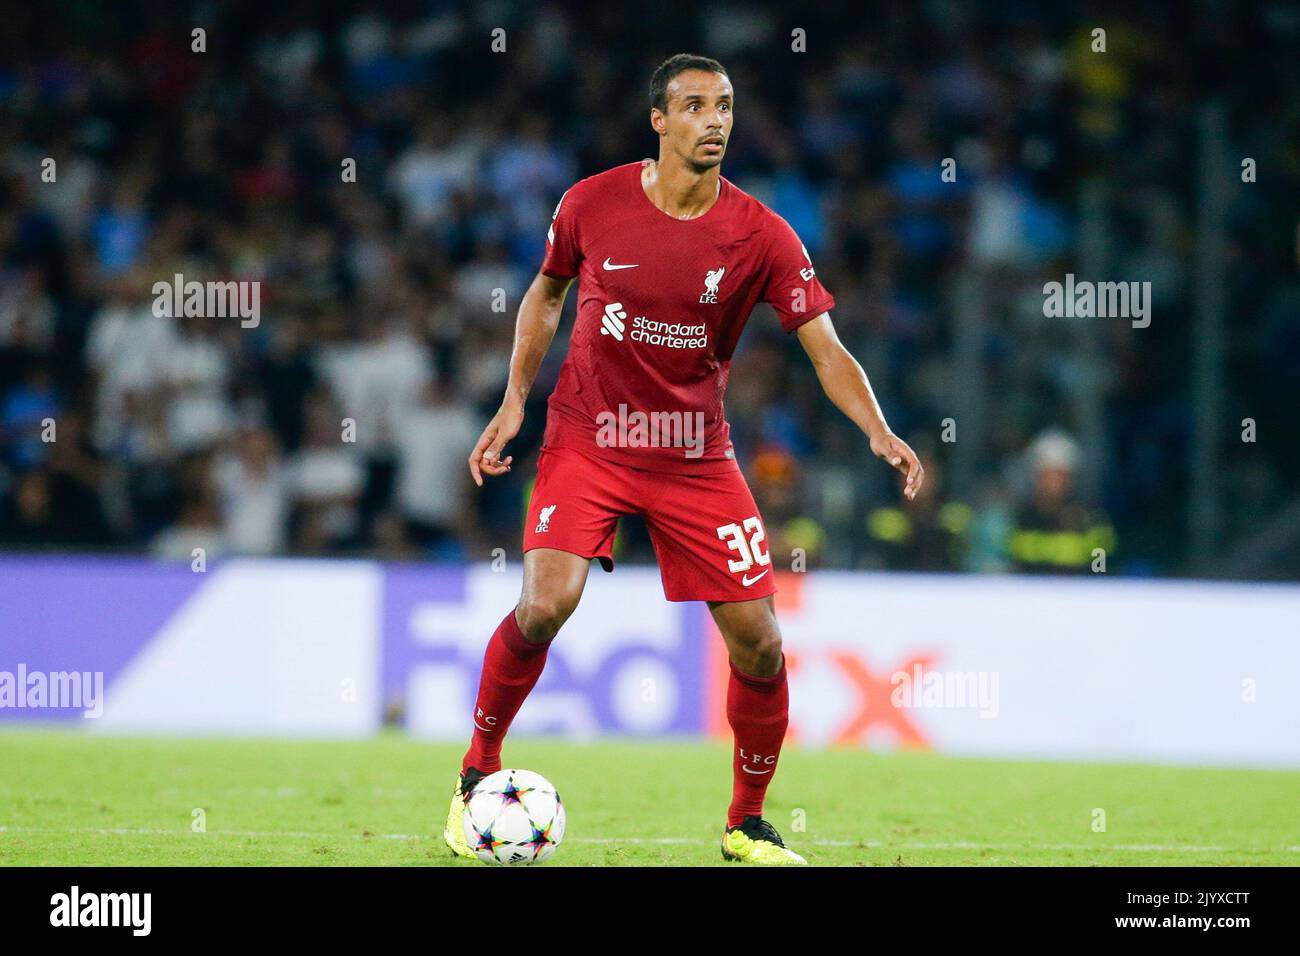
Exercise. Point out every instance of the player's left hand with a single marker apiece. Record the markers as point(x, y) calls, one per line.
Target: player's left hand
point(899, 454)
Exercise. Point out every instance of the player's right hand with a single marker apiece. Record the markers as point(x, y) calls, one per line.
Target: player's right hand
point(486, 458)
point(899, 454)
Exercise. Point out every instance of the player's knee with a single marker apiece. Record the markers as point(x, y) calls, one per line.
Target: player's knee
point(541, 616)
point(761, 655)
point(768, 653)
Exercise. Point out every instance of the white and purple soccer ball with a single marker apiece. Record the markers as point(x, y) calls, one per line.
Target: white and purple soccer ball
point(514, 816)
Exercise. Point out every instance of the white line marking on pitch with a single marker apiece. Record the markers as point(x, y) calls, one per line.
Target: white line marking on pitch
point(668, 841)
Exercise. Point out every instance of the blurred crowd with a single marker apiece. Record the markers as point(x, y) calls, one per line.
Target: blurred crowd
point(341, 421)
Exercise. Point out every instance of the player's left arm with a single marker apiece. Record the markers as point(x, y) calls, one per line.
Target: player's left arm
point(845, 384)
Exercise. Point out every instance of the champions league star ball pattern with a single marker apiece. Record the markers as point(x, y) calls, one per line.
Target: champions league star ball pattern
point(514, 816)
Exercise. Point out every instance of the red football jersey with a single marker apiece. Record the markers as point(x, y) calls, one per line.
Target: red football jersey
point(661, 305)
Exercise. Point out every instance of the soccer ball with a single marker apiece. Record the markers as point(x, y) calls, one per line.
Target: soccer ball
point(514, 816)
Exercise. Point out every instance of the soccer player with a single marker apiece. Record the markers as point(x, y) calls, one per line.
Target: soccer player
point(670, 259)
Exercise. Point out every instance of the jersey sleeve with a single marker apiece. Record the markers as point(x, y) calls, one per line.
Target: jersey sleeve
point(563, 251)
point(792, 286)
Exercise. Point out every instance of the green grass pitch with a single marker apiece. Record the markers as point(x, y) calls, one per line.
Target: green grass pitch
point(73, 799)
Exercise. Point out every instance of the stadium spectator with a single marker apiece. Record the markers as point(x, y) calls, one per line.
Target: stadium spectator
point(1054, 530)
point(432, 486)
point(929, 533)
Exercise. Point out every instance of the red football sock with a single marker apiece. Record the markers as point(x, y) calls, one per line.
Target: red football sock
point(511, 666)
point(758, 709)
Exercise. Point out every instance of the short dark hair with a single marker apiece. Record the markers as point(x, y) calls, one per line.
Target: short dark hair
point(670, 68)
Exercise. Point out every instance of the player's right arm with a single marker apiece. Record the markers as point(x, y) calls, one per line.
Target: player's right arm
point(539, 317)
point(804, 305)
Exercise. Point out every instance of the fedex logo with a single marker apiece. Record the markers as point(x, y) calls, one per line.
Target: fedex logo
point(606, 673)
point(663, 671)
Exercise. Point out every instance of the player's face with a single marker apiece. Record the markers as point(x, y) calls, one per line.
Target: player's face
point(697, 125)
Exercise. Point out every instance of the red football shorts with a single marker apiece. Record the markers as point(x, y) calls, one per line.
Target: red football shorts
point(706, 529)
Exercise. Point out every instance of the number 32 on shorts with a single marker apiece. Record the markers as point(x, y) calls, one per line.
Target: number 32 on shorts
point(750, 549)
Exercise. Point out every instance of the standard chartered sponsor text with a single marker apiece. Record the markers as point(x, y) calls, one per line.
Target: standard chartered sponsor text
point(673, 335)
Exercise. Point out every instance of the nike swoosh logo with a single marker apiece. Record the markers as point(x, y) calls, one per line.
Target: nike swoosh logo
point(747, 582)
point(490, 730)
point(610, 267)
point(757, 773)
